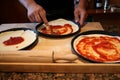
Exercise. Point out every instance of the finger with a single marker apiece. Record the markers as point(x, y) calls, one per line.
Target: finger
point(37, 18)
point(76, 16)
point(82, 19)
point(43, 16)
point(31, 18)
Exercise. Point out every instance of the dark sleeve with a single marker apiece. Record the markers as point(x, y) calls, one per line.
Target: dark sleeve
point(57, 8)
point(55, 4)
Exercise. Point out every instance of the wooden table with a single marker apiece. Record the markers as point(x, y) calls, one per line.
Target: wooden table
point(57, 45)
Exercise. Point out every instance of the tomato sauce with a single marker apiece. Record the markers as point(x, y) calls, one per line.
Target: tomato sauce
point(106, 47)
point(58, 29)
point(13, 41)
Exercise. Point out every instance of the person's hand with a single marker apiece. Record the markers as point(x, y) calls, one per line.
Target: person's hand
point(80, 15)
point(36, 13)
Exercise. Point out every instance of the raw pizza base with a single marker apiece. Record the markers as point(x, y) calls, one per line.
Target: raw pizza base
point(91, 51)
point(62, 22)
point(28, 35)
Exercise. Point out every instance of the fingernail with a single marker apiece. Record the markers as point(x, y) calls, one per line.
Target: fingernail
point(76, 21)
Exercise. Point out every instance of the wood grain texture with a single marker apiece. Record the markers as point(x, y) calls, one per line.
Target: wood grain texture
point(61, 46)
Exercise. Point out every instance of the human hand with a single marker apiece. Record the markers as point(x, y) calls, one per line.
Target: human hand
point(36, 13)
point(80, 15)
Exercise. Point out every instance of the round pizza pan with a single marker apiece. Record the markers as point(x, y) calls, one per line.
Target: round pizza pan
point(31, 45)
point(40, 26)
point(89, 33)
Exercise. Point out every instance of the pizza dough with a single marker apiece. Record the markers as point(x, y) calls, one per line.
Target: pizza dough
point(62, 22)
point(98, 47)
point(28, 36)
point(59, 29)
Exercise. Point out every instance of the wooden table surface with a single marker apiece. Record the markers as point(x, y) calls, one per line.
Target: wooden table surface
point(57, 45)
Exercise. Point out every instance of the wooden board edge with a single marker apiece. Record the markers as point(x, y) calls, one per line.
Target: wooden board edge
point(60, 67)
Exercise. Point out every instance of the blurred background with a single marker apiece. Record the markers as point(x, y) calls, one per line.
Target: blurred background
point(11, 11)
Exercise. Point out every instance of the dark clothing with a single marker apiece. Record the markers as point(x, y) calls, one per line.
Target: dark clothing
point(58, 8)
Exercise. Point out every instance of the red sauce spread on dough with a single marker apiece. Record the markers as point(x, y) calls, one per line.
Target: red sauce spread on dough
point(106, 47)
point(58, 29)
point(13, 41)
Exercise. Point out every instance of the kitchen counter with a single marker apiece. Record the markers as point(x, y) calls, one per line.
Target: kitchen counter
point(58, 76)
point(61, 75)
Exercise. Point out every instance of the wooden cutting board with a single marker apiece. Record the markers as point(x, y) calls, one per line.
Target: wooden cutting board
point(47, 45)
point(65, 43)
point(59, 46)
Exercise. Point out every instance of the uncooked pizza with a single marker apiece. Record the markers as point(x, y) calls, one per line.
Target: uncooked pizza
point(98, 47)
point(16, 40)
point(60, 27)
